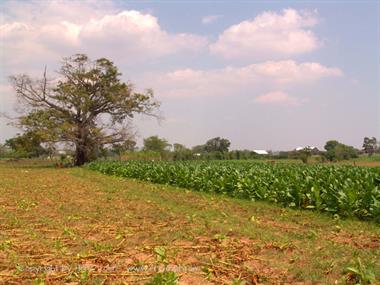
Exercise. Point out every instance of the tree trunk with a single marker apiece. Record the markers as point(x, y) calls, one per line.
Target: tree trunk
point(80, 155)
point(81, 147)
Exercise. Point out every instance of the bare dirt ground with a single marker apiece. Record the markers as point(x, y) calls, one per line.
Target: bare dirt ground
point(74, 226)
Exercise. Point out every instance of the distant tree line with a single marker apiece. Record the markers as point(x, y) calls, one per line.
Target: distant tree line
point(29, 145)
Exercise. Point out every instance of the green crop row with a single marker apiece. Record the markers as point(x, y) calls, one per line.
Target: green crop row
point(344, 190)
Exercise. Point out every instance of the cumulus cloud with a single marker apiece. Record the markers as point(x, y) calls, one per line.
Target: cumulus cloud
point(133, 33)
point(95, 29)
point(240, 80)
point(37, 33)
point(276, 97)
point(269, 35)
point(289, 71)
point(211, 19)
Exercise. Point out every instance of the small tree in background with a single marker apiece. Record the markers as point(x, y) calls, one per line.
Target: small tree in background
point(304, 154)
point(120, 148)
point(3, 150)
point(27, 145)
point(198, 149)
point(217, 145)
point(156, 144)
point(369, 145)
point(181, 152)
point(330, 149)
point(338, 151)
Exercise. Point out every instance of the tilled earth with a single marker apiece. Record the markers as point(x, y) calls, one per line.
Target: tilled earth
point(74, 226)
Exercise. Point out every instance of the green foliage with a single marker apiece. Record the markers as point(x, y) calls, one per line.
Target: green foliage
point(4, 151)
point(198, 149)
point(217, 145)
point(161, 255)
point(304, 154)
point(344, 152)
point(342, 190)
point(372, 158)
point(120, 148)
point(164, 278)
point(70, 110)
point(38, 281)
point(83, 276)
point(238, 282)
point(243, 155)
point(27, 145)
point(141, 155)
point(337, 151)
point(216, 148)
point(370, 145)
point(361, 274)
point(181, 152)
point(156, 144)
point(64, 161)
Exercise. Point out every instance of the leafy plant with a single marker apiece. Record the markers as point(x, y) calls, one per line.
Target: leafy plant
point(69, 232)
point(164, 278)
point(238, 281)
point(344, 191)
point(5, 245)
point(161, 255)
point(38, 281)
point(361, 274)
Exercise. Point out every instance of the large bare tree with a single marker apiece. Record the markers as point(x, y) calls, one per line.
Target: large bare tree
point(87, 105)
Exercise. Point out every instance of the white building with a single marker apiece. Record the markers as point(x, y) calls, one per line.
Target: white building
point(260, 151)
point(305, 147)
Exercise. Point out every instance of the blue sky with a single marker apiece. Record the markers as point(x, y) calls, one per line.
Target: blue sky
point(266, 75)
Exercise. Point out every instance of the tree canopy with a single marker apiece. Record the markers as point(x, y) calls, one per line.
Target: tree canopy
point(181, 152)
point(217, 144)
point(338, 151)
point(156, 144)
point(369, 145)
point(26, 145)
point(88, 106)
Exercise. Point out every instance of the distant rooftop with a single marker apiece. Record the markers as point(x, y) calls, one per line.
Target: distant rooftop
point(260, 151)
point(305, 147)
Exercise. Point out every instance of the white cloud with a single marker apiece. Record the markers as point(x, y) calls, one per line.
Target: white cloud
point(133, 33)
point(276, 97)
point(211, 19)
point(238, 80)
point(269, 35)
point(289, 71)
point(43, 32)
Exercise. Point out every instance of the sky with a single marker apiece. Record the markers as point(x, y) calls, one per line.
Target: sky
point(271, 75)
